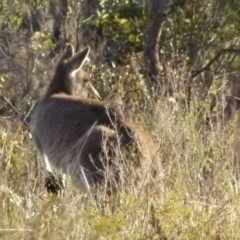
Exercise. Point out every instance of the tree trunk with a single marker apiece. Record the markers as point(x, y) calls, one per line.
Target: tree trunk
point(157, 10)
point(151, 44)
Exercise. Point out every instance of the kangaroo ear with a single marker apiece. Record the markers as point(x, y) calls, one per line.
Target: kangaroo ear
point(77, 61)
point(67, 53)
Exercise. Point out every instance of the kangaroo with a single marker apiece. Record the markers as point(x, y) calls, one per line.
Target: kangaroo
point(72, 133)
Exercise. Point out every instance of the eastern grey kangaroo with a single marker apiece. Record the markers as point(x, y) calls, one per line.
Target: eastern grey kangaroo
point(72, 133)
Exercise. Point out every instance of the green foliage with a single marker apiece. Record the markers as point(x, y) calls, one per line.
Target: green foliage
point(195, 33)
point(121, 24)
point(42, 43)
point(12, 13)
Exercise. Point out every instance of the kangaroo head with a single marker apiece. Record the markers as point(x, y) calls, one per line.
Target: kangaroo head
point(68, 77)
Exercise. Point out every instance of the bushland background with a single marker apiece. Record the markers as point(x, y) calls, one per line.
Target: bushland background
point(167, 63)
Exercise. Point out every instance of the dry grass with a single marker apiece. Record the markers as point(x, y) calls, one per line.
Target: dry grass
point(201, 170)
point(201, 186)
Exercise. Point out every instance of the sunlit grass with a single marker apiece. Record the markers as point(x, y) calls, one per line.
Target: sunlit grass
point(201, 190)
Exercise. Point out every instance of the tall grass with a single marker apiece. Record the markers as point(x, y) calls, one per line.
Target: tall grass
point(200, 183)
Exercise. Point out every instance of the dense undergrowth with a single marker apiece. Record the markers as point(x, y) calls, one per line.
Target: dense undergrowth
point(200, 181)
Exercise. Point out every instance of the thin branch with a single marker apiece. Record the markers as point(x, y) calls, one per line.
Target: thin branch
point(23, 122)
point(10, 104)
point(195, 73)
point(15, 229)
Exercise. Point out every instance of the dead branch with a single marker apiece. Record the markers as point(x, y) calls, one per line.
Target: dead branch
point(195, 73)
point(23, 122)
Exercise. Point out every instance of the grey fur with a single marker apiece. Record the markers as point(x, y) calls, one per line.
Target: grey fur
point(69, 131)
